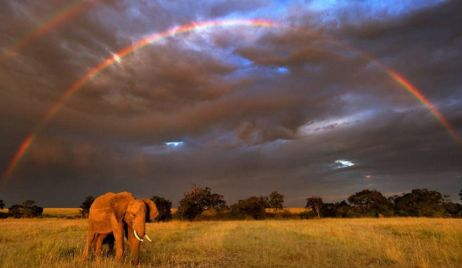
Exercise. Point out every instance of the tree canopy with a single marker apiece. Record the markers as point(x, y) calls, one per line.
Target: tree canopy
point(370, 203)
point(197, 200)
point(420, 202)
point(276, 200)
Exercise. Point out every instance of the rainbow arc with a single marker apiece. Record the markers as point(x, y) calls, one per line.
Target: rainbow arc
point(198, 26)
point(64, 15)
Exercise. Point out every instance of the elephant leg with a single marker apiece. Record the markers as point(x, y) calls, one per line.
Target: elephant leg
point(99, 244)
point(134, 246)
point(118, 231)
point(109, 240)
point(90, 237)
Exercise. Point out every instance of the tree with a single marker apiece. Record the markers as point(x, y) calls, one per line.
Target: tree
point(420, 202)
point(253, 206)
point(2, 205)
point(217, 202)
point(16, 211)
point(315, 203)
point(343, 210)
point(27, 209)
point(85, 206)
point(164, 207)
point(370, 203)
point(197, 200)
point(276, 200)
point(453, 209)
point(460, 195)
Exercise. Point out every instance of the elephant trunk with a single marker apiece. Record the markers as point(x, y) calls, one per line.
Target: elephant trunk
point(139, 231)
point(141, 239)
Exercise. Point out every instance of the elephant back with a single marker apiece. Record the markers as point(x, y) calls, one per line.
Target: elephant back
point(112, 202)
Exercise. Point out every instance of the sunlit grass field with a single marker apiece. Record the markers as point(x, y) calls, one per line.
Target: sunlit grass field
point(385, 242)
point(55, 212)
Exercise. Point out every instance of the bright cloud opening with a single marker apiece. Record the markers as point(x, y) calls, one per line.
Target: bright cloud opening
point(174, 144)
point(341, 163)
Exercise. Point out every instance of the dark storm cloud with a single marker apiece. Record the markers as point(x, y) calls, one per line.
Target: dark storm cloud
point(248, 128)
point(425, 44)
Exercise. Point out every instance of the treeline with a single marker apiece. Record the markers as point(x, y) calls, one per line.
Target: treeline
point(200, 203)
point(371, 203)
point(28, 209)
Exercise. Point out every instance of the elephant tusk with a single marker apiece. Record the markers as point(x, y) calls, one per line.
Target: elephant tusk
point(147, 238)
point(137, 237)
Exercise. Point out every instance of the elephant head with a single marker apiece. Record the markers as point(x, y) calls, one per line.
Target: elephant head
point(137, 214)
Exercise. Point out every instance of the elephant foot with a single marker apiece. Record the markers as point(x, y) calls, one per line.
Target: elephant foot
point(118, 259)
point(85, 257)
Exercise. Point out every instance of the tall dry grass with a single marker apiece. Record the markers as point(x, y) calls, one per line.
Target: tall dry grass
point(389, 242)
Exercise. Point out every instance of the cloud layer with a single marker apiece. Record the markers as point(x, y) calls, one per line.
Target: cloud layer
point(256, 109)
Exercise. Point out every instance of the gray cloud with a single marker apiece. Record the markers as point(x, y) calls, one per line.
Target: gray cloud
point(247, 128)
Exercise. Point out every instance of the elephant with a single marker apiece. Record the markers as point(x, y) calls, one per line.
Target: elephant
point(119, 215)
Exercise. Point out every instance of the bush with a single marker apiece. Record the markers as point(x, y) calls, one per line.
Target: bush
point(253, 207)
point(344, 210)
point(197, 200)
point(453, 209)
point(27, 209)
point(85, 206)
point(214, 214)
point(308, 215)
point(164, 207)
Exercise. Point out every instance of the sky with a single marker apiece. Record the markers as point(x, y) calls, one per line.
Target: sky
point(306, 106)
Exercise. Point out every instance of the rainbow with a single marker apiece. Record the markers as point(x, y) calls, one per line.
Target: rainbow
point(197, 26)
point(410, 88)
point(64, 15)
point(116, 57)
point(425, 102)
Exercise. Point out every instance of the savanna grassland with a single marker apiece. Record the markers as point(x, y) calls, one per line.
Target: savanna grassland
point(386, 242)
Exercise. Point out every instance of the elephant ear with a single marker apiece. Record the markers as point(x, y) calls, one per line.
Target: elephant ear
point(151, 210)
point(120, 203)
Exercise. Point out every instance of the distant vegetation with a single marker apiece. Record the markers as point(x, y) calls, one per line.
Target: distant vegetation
point(27, 209)
point(371, 203)
point(253, 207)
point(200, 203)
point(164, 207)
point(85, 206)
point(197, 200)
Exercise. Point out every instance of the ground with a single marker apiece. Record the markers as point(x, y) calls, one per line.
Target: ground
point(388, 242)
